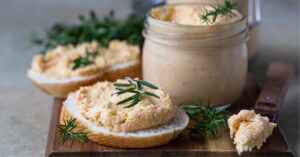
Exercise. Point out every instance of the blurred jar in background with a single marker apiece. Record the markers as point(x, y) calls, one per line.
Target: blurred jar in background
point(250, 9)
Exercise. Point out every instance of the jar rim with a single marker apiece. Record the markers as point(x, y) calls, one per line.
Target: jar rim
point(215, 44)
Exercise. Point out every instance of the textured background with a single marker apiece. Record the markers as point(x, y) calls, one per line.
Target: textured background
point(25, 111)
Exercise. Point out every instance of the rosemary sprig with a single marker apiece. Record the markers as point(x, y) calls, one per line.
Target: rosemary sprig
point(218, 11)
point(66, 132)
point(134, 86)
point(92, 28)
point(207, 119)
point(83, 61)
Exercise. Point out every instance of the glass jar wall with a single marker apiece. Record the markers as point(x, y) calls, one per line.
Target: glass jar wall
point(196, 63)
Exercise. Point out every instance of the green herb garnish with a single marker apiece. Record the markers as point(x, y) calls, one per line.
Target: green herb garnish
point(134, 86)
point(83, 61)
point(93, 28)
point(207, 119)
point(218, 11)
point(66, 132)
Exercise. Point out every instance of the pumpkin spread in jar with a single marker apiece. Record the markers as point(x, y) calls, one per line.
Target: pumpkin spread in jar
point(199, 60)
point(191, 15)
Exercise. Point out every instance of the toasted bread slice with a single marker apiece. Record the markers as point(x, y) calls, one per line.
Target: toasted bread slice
point(62, 87)
point(138, 139)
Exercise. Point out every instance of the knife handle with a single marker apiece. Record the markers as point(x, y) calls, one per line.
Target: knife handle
point(278, 78)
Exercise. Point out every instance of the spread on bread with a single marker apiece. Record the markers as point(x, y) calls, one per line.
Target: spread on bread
point(85, 59)
point(249, 130)
point(100, 104)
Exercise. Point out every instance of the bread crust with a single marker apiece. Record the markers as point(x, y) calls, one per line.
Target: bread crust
point(118, 141)
point(61, 90)
point(134, 71)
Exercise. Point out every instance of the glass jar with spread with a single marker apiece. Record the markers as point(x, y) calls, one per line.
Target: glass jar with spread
point(196, 60)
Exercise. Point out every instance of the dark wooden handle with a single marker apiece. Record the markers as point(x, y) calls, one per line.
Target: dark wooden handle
point(276, 83)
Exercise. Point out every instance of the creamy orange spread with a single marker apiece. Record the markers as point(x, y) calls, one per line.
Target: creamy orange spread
point(190, 15)
point(59, 62)
point(249, 130)
point(97, 104)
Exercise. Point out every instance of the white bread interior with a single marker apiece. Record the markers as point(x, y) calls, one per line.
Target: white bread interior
point(138, 139)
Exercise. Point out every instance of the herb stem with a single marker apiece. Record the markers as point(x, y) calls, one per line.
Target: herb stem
point(134, 86)
point(66, 132)
point(207, 119)
point(218, 11)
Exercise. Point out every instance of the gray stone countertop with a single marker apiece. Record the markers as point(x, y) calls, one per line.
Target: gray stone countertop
point(25, 111)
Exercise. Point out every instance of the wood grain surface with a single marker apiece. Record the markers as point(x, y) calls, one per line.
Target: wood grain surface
point(183, 146)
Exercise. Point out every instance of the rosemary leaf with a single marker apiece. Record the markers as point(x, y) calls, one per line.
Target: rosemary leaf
point(152, 94)
point(207, 119)
point(134, 86)
point(139, 85)
point(122, 84)
point(136, 101)
point(66, 131)
point(81, 62)
point(145, 83)
point(128, 99)
point(125, 90)
point(218, 11)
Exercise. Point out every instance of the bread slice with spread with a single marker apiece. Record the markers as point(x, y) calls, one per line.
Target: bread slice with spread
point(124, 114)
point(66, 68)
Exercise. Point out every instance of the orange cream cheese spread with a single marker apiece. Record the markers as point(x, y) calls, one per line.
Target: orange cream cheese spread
point(249, 130)
point(98, 104)
point(59, 62)
point(190, 15)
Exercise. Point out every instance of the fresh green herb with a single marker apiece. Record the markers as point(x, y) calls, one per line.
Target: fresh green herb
point(66, 132)
point(93, 28)
point(83, 61)
point(207, 119)
point(134, 86)
point(218, 11)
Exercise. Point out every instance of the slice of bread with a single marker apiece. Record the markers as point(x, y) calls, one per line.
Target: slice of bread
point(138, 139)
point(62, 87)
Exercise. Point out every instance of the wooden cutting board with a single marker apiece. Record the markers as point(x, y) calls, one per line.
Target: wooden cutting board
point(184, 145)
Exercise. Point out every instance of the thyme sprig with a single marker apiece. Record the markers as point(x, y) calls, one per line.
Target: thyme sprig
point(207, 119)
point(83, 61)
point(92, 28)
point(219, 10)
point(136, 87)
point(66, 132)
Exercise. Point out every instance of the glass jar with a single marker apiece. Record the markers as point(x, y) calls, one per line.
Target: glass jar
point(249, 8)
point(196, 63)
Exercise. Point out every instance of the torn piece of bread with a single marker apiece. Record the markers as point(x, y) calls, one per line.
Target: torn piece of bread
point(57, 74)
point(249, 130)
point(137, 139)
